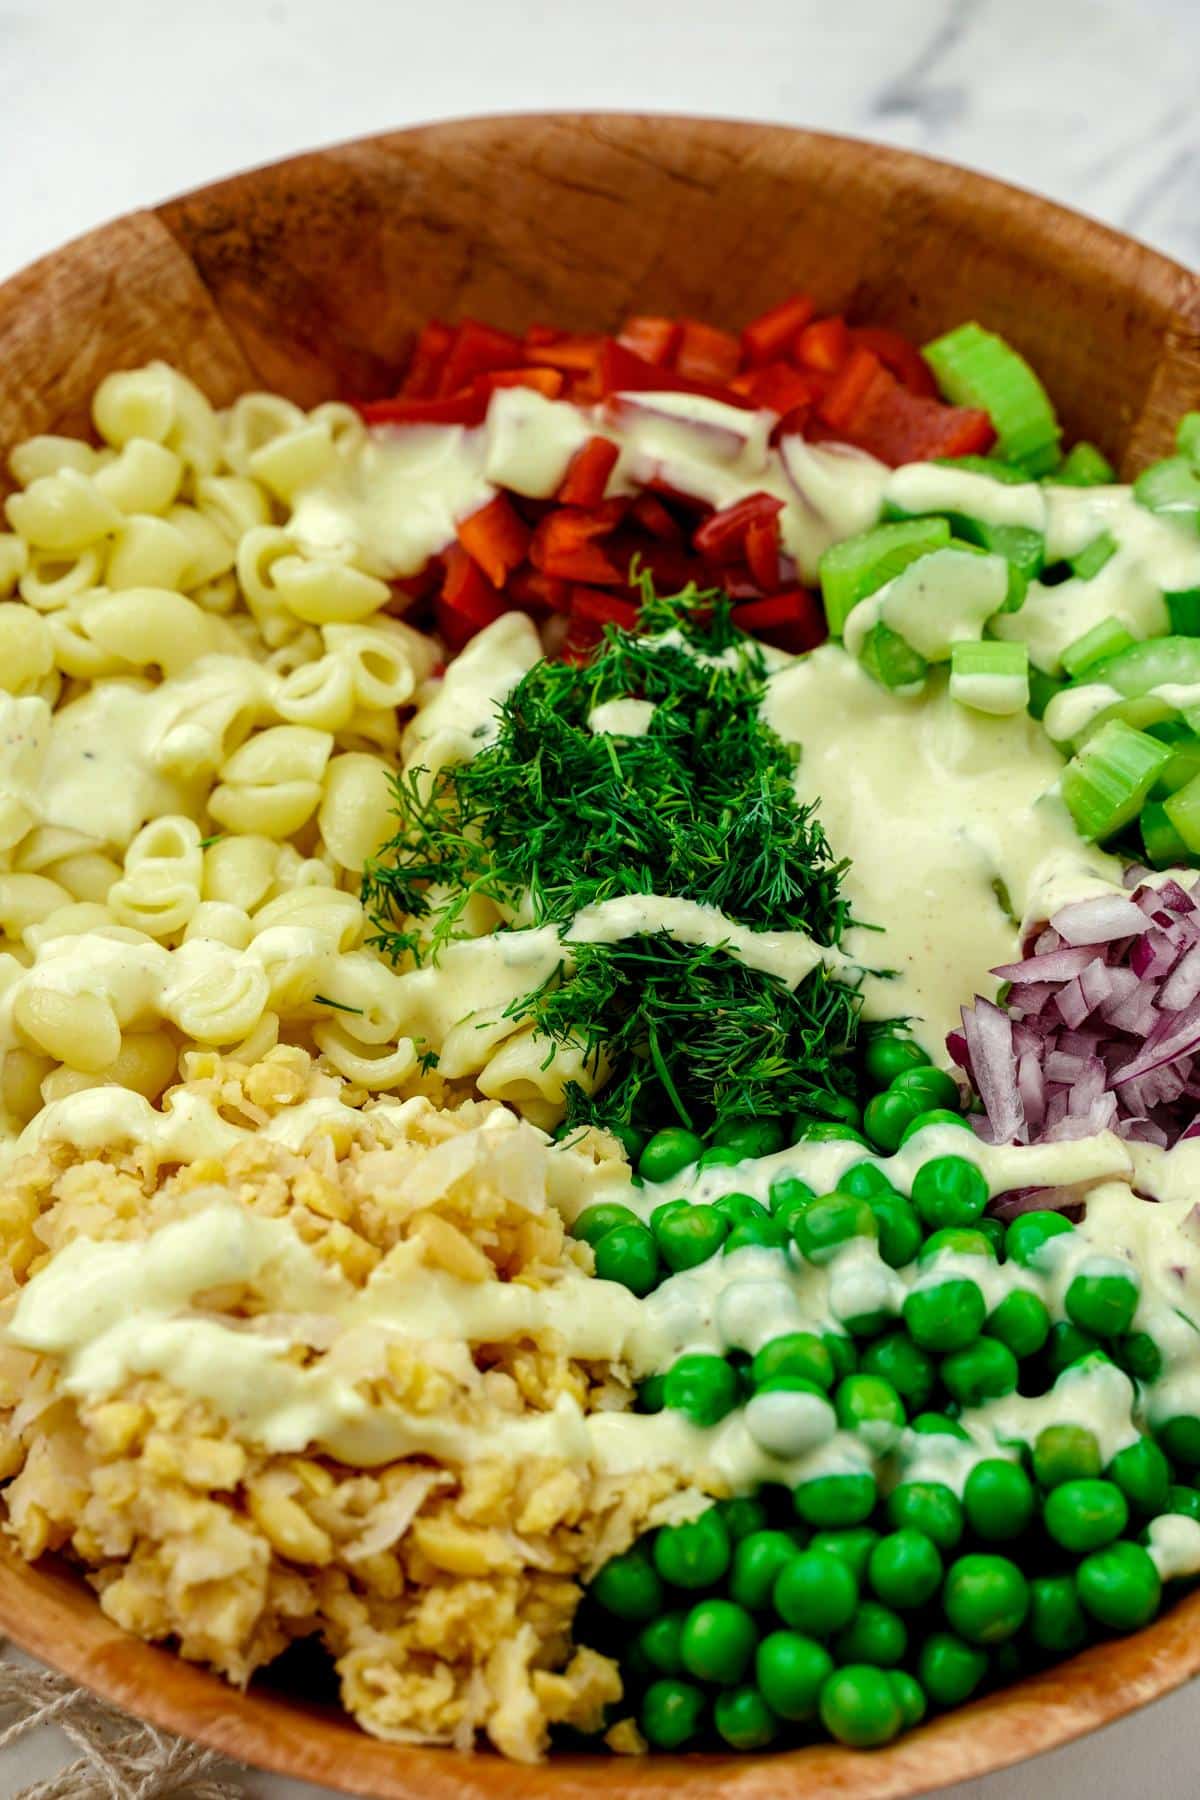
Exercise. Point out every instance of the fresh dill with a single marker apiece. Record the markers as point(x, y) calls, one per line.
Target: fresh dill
point(551, 817)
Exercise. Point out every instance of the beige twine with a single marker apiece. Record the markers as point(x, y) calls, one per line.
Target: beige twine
point(118, 1757)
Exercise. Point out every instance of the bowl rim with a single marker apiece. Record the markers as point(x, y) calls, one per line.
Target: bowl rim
point(48, 1609)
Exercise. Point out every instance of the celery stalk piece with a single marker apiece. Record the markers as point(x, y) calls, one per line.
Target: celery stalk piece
point(1042, 689)
point(1109, 638)
point(1187, 436)
point(1162, 843)
point(1089, 561)
point(1183, 810)
point(1183, 610)
point(985, 465)
point(1084, 466)
point(1107, 783)
point(1151, 664)
point(974, 367)
point(856, 567)
point(1171, 488)
point(990, 677)
point(1183, 767)
point(891, 662)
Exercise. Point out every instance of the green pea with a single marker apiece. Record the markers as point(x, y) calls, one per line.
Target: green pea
point(993, 1231)
point(947, 1315)
point(672, 1714)
point(757, 1561)
point(842, 1352)
point(1119, 1586)
point(887, 1117)
point(828, 1501)
point(831, 1221)
point(898, 1227)
point(594, 1222)
point(1139, 1356)
point(886, 1057)
point(1182, 1499)
point(704, 1387)
point(839, 1109)
point(1057, 1622)
point(925, 1121)
point(1180, 1439)
point(985, 1598)
point(902, 1363)
point(956, 1240)
point(1104, 1304)
point(628, 1586)
point(1143, 1474)
point(910, 1695)
point(950, 1670)
point(815, 1593)
point(934, 1087)
point(949, 1190)
point(1067, 1344)
point(1065, 1453)
point(1030, 1231)
point(629, 1255)
point(695, 1555)
point(864, 1180)
point(826, 1131)
point(1022, 1321)
point(756, 1234)
point(870, 1405)
point(743, 1515)
point(631, 1140)
point(998, 1499)
point(859, 1707)
point(659, 1643)
point(985, 1370)
point(1085, 1515)
point(688, 1235)
point(741, 1209)
point(668, 1153)
point(719, 1156)
point(929, 1507)
point(795, 1353)
point(743, 1718)
point(791, 1670)
point(875, 1634)
point(905, 1569)
point(853, 1545)
point(787, 1192)
point(650, 1394)
point(718, 1641)
point(751, 1137)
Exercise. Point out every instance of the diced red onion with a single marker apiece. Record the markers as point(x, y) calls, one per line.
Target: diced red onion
point(989, 1034)
point(1099, 920)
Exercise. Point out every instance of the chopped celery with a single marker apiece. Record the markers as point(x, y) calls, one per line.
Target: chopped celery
point(1091, 559)
point(974, 367)
point(1109, 638)
point(1107, 783)
point(1171, 487)
point(941, 599)
point(1023, 549)
point(1187, 436)
point(1150, 664)
point(990, 677)
point(1084, 466)
point(1183, 610)
point(1042, 689)
point(986, 465)
point(856, 567)
point(892, 662)
point(1183, 767)
point(1163, 845)
point(1183, 810)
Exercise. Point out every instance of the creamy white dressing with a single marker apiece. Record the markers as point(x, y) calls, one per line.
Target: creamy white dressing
point(790, 955)
point(621, 718)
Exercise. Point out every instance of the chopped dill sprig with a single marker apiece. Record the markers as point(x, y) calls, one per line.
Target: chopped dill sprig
point(551, 817)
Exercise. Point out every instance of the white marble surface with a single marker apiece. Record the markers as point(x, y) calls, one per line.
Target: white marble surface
point(106, 107)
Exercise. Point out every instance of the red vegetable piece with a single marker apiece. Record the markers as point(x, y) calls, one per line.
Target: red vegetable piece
point(773, 332)
point(653, 517)
point(782, 388)
point(544, 381)
point(706, 354)
point(476, 349)
point(537, 335)
point(868, 407)
point(762, 554)
point(793, 621)
point(567, 351)
point(622, 372)
point(537, 592)
point(459, 409)
point(594, 606)
point(497, 537)
point(722, 535)
point(825, 344)
point(564, 545)
point(588, 472)
point(897, 354)
point(467, 602)
point(428, 360)
point(654, 340)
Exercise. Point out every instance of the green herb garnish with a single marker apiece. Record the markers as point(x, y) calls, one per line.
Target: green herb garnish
point(552, 817)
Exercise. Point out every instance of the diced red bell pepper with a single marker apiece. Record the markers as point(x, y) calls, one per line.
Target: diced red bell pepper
point(537, 335)
point(897, 354)
point(655, 340)
point(671, 565)
point(793, 621)
point(428, 360)
point(537, 592)
point(781, 387)
point(596, 607)
point(543, 381)
point(416, 587)
point(467, 602)
point(588, 472)
point(458, 409)
point(564, 545)
point(825, 344)
point(497, 537)
point(868, 407)
point(567, 351)
point(774, 332)
point(722, 535)
point(762, 554)
point(478, 348)
point(653, 517)
point(706, 354)
point(623, 372)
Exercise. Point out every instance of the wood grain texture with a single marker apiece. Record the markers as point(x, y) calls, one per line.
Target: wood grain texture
point(311, 277)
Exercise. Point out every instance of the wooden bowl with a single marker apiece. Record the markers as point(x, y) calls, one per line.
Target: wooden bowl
point(310, 277)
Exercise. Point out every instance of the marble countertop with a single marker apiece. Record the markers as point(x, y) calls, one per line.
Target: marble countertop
point(104, 108)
